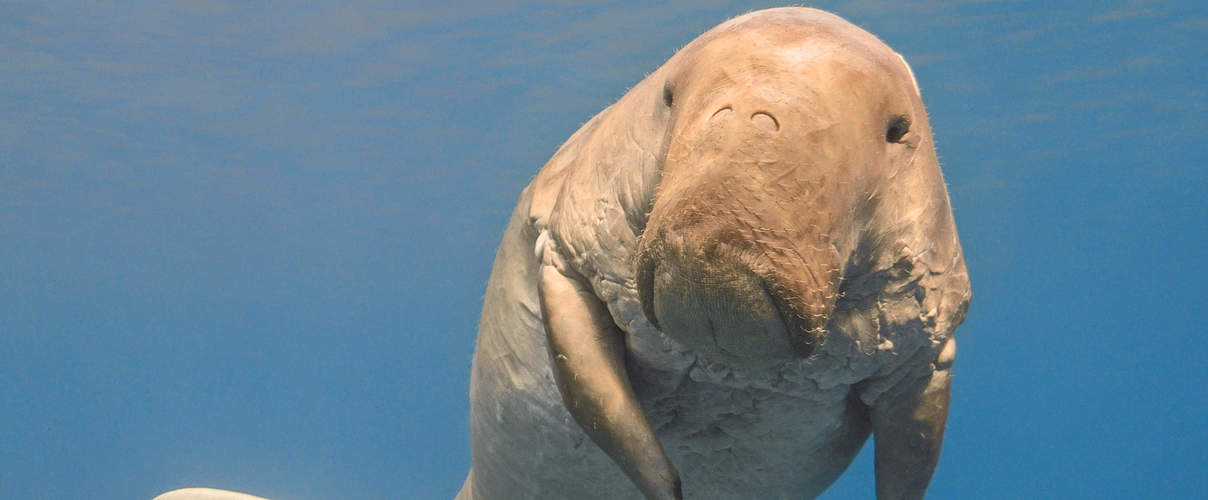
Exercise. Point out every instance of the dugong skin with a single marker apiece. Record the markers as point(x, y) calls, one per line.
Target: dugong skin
point(890, 284)
point(205, 494)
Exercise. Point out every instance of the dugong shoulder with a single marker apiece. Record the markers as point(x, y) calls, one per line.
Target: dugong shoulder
point(548, 184)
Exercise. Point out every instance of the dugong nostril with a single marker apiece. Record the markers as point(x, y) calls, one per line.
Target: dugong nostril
point(721, 114)
point(765, 121)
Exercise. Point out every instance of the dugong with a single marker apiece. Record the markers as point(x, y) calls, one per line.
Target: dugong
point(720, 285)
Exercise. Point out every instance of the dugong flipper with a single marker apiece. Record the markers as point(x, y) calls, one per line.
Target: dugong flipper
point(725, 281)
point(588, 354)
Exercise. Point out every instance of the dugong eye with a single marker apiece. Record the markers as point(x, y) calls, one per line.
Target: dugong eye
point(898, 126)
point(668, 94)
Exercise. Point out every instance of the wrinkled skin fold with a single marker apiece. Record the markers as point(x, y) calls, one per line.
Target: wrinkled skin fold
point(723, 283)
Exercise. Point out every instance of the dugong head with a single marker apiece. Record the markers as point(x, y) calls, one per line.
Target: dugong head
point(791, 150)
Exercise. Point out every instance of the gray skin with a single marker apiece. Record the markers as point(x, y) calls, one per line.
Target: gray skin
point(724, 282)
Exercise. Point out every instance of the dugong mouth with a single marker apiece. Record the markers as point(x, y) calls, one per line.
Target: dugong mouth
point(796, 328)
point(729, 312)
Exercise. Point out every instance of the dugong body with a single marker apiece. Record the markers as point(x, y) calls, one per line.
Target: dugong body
point(724, 282)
